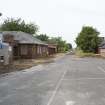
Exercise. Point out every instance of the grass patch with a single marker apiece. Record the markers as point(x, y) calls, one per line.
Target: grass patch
point(80, 53)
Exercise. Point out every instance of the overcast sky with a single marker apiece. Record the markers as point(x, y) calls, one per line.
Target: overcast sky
point(58, 17)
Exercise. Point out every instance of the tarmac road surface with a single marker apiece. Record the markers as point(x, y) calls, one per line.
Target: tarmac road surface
point(67, 81)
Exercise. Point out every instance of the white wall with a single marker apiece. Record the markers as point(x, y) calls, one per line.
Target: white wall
point(6, 53)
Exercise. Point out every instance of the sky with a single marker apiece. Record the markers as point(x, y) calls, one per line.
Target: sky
point(63, 18)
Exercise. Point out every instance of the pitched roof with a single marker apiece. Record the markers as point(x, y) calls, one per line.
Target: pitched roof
point(24, 38)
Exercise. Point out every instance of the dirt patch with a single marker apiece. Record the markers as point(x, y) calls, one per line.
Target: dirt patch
point(28, 63)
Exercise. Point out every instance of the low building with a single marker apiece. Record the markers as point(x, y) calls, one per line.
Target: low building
point(52, 49)
point(101, 49)
point(24, 45)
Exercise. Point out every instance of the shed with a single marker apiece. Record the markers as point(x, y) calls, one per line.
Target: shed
point(25, 45)
point(52, 49)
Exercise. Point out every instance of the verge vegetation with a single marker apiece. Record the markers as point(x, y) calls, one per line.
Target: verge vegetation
point(80, 53)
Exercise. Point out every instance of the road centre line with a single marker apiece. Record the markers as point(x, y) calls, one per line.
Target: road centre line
point(56, 88)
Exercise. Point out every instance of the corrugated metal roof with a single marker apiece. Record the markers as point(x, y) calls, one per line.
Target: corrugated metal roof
point(24, 38)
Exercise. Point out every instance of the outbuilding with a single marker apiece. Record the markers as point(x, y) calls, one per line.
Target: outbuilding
point(24, 45)
point(52, 49)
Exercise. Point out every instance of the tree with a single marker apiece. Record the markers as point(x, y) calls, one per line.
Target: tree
point(42, 37)
point(69, 45)
point(88, 39)
point(11, 24)
point(61, 44)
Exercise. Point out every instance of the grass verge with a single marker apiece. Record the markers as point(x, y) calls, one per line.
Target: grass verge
point(80, 53)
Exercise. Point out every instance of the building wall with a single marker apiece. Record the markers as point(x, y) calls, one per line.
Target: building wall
point(102, 52)
point(28, 51)
point(42, 50)
point(52, 51)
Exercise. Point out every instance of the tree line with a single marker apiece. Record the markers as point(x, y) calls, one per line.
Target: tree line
point(87, 40)
point(11, 24)
point(62, 44)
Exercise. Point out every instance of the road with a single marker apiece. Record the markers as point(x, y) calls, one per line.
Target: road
point(66, 81)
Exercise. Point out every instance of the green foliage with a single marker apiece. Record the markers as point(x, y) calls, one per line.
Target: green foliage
point(42, 37)
point(80, 53)
point(88, 39)
point(69, 45)
point(62, 45)
point(11, 24)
